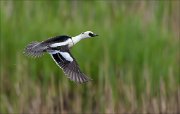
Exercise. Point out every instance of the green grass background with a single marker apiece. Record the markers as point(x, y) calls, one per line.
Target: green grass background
point(134, 62)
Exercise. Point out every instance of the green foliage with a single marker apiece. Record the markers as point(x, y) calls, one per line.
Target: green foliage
point(133, 55)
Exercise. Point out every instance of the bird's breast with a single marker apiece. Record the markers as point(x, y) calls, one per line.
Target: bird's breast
point(70, 44)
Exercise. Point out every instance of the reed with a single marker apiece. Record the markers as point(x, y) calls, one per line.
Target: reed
point(134, 63)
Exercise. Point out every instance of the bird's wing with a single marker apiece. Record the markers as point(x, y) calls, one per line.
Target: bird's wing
point(35, 49)
point(66, 61)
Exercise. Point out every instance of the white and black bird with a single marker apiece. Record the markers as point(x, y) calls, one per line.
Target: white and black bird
point(59, 49)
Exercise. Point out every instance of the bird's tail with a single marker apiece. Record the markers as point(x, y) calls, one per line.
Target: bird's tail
point(35, 49)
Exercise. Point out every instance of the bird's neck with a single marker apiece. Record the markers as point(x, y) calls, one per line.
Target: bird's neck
point(76, 39)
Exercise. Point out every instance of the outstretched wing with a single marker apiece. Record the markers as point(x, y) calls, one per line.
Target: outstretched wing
point(66, 61)
point(36, 49)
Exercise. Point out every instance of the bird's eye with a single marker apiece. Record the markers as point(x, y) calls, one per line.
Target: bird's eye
point(82, 33)
point(91, 34)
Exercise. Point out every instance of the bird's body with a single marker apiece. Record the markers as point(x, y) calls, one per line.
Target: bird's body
point(59, 49)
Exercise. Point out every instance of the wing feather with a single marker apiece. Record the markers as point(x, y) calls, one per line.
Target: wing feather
point(69, 65)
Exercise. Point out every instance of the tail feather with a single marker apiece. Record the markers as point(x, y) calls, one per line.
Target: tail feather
point(35, 49)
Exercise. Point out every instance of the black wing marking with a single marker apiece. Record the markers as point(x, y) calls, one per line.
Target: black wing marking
point(70, 68)
point(56, 39)
point(36, 49)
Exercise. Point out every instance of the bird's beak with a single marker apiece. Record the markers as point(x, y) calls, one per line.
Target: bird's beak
point(94, 35)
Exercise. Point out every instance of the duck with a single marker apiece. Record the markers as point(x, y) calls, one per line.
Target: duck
point(59, 49)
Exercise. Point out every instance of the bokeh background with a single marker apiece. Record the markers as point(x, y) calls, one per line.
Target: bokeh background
point(134, 63)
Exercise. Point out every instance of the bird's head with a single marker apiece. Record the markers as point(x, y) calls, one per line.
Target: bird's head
point(87, 34)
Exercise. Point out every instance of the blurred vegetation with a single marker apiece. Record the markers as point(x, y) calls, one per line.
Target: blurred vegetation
point(134, 63)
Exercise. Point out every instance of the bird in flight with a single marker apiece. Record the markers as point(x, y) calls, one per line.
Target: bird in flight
point(59, 49)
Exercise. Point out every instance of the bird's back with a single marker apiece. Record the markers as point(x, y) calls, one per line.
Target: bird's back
point(36, 49)
point(56, 39)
